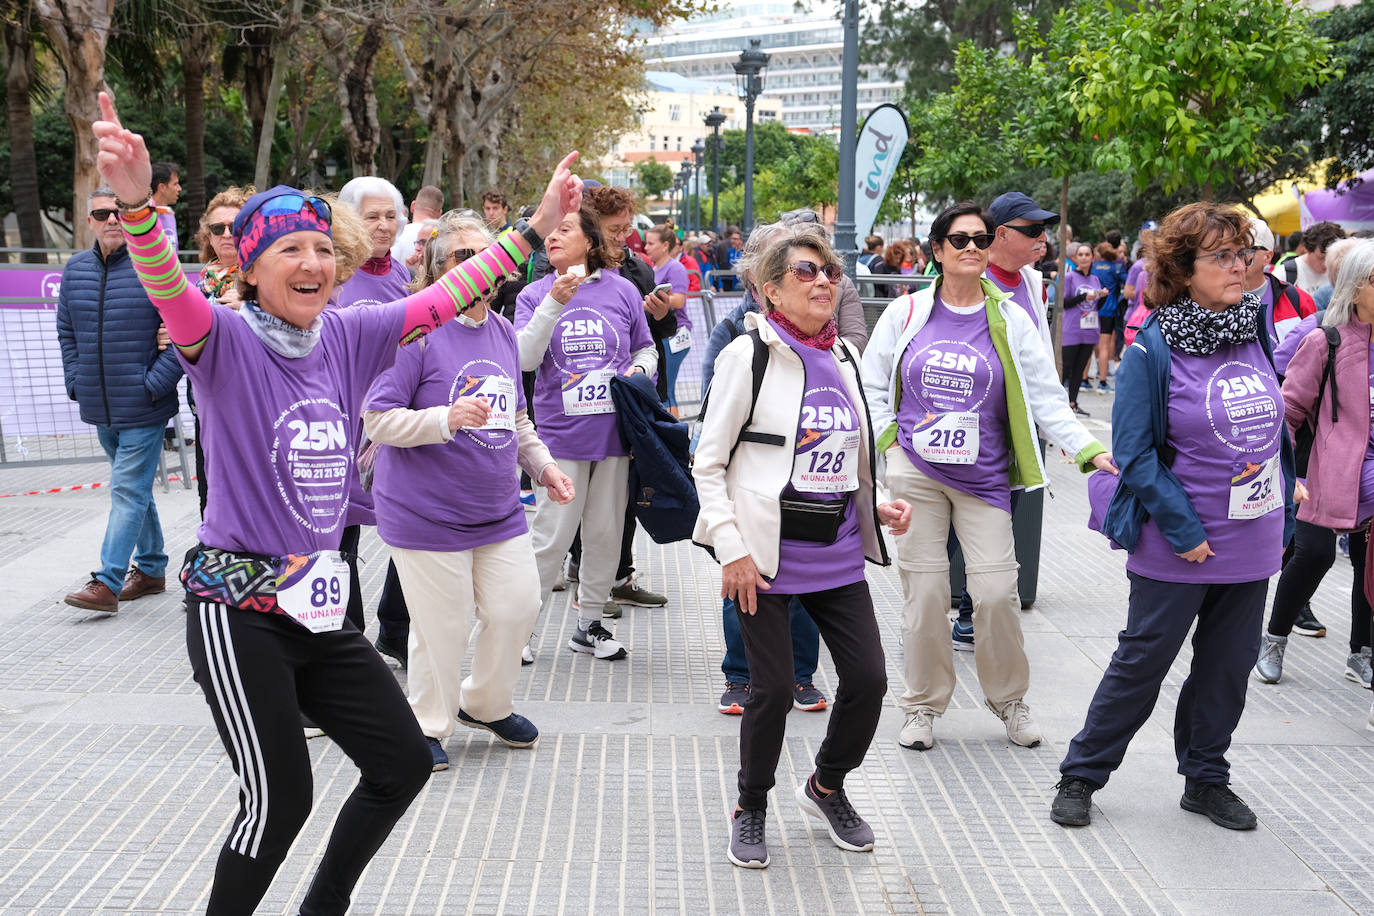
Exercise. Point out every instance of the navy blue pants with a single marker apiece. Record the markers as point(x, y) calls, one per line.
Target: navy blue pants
point(806, 644)
point(1225, 646)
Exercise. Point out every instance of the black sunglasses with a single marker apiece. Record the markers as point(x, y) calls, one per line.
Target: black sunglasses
point(102, 214)
point(960, 240)
point(459, 255)
point(806, 271)
point(1033, 231)
point(219, 228)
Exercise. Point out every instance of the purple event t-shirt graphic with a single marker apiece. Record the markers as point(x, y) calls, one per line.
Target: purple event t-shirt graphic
point(825, 410)
point(951, 375)
point(1241, 408)
point(584, 339)
point(310, 457)
point(469, 382)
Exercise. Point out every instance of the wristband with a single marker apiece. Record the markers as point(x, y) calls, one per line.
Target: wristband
point(523, 227)
point(129, 208)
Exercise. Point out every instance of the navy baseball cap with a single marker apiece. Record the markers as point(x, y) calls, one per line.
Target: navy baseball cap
point(1015, 205)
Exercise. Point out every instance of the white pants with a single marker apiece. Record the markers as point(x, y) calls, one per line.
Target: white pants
point(602, 489)
point(441, 589)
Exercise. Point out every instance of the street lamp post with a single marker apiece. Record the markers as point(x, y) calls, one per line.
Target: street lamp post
point(698, 154)
point(846, 244)
point(749, 72)
point(672, 198)
point(714, 120)
point(684, 176)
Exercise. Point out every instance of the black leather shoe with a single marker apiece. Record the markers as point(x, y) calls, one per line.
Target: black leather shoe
point(396, 650)
point(1072, 807)
point(1220, 804)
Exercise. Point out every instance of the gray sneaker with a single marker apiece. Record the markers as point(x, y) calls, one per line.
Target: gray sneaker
point(748, 848)
point(633, 594)
point(1269, 668)
point(847, 829)
point(1358, 668)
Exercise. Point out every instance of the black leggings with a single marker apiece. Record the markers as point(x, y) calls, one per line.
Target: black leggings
point(1313, 552)
point(845, 618)
point(1076, 358)
point(259, 672)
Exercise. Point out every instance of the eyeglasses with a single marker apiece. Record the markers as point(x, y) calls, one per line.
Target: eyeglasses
point(291, 204)
point(618, 230)
point(102, 214)
point(219, 228)
point(1033, 231)
point(1226, 259)
point(960, 240)
point(807, 271)
point(459, 255)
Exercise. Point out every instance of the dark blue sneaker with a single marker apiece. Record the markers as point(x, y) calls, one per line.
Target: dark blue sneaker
point(514, 730)
point(436, 751)
point(962, 636)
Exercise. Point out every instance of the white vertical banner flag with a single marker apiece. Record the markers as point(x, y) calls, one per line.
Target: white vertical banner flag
point(881, 139)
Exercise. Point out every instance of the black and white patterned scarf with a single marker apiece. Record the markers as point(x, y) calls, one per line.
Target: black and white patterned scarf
point(1192, 329)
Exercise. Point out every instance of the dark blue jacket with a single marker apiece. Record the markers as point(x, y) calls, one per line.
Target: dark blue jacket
point(108, 331)
point(663, 495)
point(1147, 487)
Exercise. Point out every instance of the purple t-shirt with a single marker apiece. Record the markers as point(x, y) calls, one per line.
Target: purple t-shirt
point(673, 272)
point(167, 224)
point(1021, 295)
point(1136, 278)
point(279, 433)
point(465, 493)
point(828, 416)
point(953, 391)
point(364, 288)
point(1225, 420)
point(598, 331)
point(1080, 321)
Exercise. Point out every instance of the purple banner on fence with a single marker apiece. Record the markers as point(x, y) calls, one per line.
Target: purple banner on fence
point(31, 283)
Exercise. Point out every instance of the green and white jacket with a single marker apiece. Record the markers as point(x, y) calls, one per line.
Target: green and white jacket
point(1034, 395)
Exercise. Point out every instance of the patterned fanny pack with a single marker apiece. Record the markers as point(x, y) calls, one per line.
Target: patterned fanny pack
point(241, 580)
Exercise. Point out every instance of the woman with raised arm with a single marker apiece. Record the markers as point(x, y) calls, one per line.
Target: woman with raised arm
point(266, 585)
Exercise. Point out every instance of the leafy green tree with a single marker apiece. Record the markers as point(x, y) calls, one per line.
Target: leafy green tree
point(654, 177)
point(1336, 119)
point(1181, 90)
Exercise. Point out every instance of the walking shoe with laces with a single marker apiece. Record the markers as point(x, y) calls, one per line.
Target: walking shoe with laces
point(962, 636)
point(1307, 624)
point(94, 596)
point(596, 640)
point(918, 733)
point(1358, 668)
point(1072, 805)
point(847, 830)
point(436, 753)
point(632, 593)
point(748, 848)
point(1269, 667)
point(1104, 386)
point(137, 583)
point(807, 698)
point(513, 731)
point(1220, 804)
point(1021, 728)
point(733, 699)
point(392, 649)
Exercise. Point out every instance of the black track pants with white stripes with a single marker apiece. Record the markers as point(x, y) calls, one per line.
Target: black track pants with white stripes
point(259, 672)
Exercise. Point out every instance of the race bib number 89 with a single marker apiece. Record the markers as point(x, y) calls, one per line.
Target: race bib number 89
point(314, 590)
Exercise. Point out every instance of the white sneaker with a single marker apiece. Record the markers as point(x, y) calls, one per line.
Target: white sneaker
point(596, 640)
point(1358, 668)
point(527, 652)
point(919, 731)
point(1021, 728)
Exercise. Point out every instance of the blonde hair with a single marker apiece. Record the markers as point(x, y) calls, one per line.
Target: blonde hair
point(229, 197)
point(772, 262)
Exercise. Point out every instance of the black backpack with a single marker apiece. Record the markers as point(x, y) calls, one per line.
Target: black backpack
point(758, 365)
point(1302, 444)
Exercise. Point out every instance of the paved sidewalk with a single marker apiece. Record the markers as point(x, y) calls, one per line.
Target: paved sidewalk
point(115, 793)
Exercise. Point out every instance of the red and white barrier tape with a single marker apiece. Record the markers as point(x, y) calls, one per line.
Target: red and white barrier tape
point(80, 486)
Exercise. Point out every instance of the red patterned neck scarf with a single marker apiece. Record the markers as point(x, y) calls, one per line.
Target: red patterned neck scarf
point(823, 339)
point(378, 267)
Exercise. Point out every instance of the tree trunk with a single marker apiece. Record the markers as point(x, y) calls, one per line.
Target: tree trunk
point(77, 30)
point(19, 69)
point(257, 77)
point(1057, 313)
point(194, 59)
point(360, 102)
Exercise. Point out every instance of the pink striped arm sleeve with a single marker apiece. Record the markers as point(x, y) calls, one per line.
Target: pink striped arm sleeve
point(460, 288)
point(184, 310)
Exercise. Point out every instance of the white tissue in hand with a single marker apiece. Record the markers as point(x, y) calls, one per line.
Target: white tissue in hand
point(577, 270)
